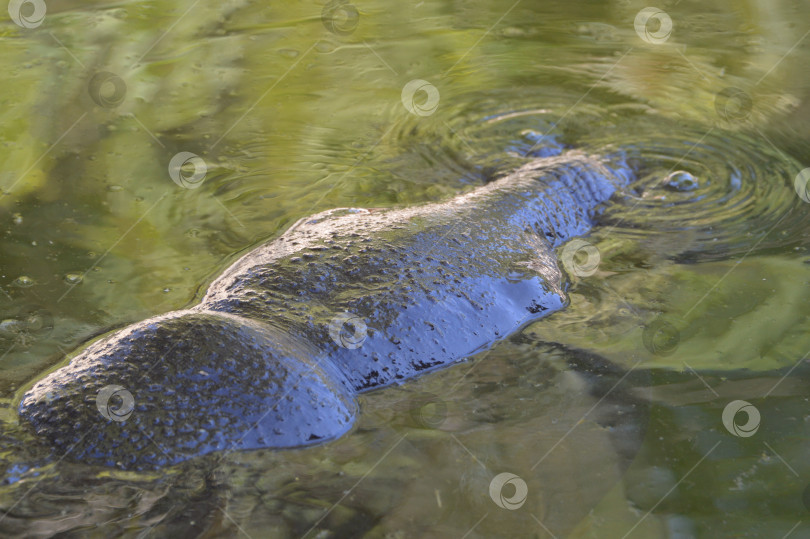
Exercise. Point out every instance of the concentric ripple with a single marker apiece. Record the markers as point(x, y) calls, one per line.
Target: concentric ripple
point(726, 194)
point(703, 192)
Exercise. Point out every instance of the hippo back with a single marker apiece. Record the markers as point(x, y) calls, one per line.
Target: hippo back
point(426, 286)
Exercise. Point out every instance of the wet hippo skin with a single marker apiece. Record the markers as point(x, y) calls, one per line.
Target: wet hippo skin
point(263, 362)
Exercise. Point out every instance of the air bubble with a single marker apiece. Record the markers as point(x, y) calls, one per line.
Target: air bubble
point(23, 281)
point(74, 278)
point(680, 180)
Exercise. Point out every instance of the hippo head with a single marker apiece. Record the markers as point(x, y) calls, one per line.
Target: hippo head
point(185, 384)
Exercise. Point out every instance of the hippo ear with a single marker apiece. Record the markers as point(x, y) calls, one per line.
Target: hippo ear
point(185, 384)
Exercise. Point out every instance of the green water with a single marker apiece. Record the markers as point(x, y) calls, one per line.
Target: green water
point(293, 111)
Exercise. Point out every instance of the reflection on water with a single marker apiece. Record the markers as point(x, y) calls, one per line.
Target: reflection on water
point(278, 111)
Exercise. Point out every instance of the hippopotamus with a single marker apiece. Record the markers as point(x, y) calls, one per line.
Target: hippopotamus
point(345, 301)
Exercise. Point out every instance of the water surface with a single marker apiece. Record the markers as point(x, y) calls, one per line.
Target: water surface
point(610, 412)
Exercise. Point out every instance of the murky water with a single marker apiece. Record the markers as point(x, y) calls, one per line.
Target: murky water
point(610, 413)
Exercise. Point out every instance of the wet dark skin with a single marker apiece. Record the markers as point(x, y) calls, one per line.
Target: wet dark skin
point(254, 364)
